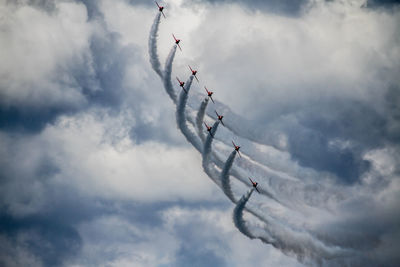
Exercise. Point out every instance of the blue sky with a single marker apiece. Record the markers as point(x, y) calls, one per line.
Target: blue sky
point(95, 172)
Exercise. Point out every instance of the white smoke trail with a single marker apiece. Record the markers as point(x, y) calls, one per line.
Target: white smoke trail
point(208, 167)
point(154, 61)
point(181, 117)
point(200, 119)
point(167, 75)
point(264, 134)
point(291, 242)
point(226, 186)
point(238, 215)
point(208, 142)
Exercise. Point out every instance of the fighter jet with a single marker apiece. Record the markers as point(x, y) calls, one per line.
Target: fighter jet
point(181, 84)
point(220, 117)
point(160, 8)
point(194, 72)
point(254, 184)
point(208, 129)
point(177, 41)
point(209, 93)
point(237, 148)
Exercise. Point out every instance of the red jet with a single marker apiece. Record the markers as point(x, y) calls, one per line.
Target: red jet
point(194, 72)
point(237, 148)
point(254, 184)
point(177, 41)
point(209, 93)
point(209, 129)
point(181, 84)
point(220, 117)
point(160, 8)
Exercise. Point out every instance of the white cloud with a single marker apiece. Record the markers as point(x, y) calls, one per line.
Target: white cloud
point(94, 154)
point(38, 52)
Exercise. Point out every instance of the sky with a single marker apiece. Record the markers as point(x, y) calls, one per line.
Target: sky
point(96, 167)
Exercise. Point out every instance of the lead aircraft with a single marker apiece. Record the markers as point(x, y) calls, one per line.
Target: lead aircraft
point(160, 8)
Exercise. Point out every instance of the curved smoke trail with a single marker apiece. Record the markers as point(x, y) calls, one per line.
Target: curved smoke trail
point(226, 186)
point(263, 134)
point(167, 74)
point(293, 243)
point(154, 61)
point(238, 215)
point(206, 155)
point(181, 117)
point(200, 119)
point(208, 142)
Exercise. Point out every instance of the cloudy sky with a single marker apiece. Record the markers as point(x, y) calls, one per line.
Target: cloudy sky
point(96, 172)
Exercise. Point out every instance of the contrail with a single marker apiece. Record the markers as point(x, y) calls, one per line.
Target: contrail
point(181, 117)
point(226, 186)
point(295, 243)
point(207, 166)
point(249, 129)
point(208, 142)
point(200, 119)
point(238, 215)
point(154, 61)
point(167, 75)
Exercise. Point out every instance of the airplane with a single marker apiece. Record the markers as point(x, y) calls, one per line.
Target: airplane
point(209, 93)
point(220, 117)
point(160, 8)
point(194, 72)
point(208, 129)
point(254, 184)
point(237, 148)
point(177, 41)
point(181, 84)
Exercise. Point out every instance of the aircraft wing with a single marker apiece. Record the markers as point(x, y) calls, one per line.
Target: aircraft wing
point(179, 47)
point(257, 190)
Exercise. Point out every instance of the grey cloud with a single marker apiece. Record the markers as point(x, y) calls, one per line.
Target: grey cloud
point(98, 79)
point(382, 3)
point(286, 7)
point(47, 237)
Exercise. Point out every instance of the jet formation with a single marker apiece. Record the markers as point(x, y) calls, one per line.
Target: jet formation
point(209, 95)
